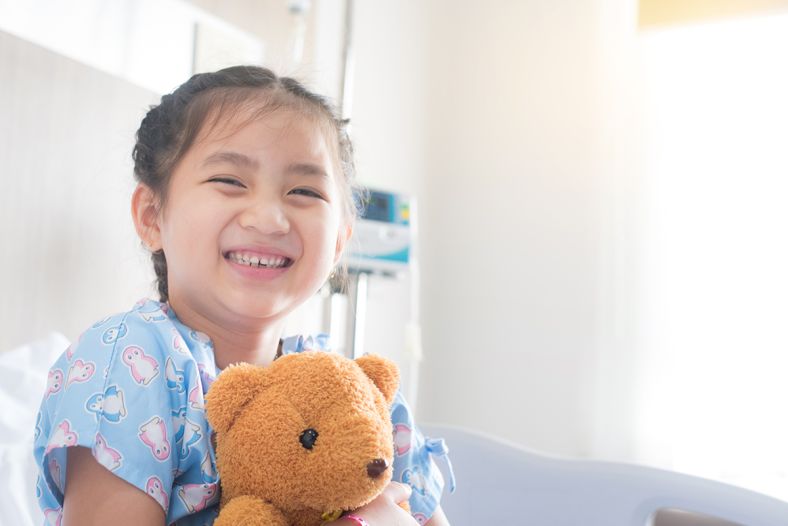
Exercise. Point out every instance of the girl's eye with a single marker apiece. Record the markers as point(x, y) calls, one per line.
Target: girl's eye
point(228, 180)
point(306, 192)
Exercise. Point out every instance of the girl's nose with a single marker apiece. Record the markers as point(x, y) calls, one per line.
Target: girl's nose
point(267, 217)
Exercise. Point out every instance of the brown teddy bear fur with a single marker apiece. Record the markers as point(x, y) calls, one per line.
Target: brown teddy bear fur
point(259, 415)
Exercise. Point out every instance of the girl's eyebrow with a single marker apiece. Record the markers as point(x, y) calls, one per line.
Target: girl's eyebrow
point(306, 169)
point(235, 158)
point(245, 161)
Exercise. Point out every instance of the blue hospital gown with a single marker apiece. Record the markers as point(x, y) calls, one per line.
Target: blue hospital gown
point(132, 390)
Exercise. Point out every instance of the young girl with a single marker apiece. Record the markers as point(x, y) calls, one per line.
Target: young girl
point(245, 199)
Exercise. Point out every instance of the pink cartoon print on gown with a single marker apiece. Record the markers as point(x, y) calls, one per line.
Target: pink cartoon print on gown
point(197, 497)
point(62, 437)
point(153, 434)
point(178, 345)
point(54, 382)
point(196, 399)
point(155, 489)
point(401, 439)
point(80, 372)
point(142, 367)
point(53, 516)
point(420, 518)
point(105, 455)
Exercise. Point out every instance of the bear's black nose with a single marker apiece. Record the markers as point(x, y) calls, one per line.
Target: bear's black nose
point(377, 467)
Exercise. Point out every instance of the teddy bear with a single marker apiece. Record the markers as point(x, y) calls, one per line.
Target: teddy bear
point(302, 440)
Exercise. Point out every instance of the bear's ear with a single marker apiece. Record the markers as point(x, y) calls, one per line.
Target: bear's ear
point(383, 373)
point(235, 387)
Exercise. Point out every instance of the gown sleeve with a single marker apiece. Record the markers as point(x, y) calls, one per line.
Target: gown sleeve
point(109, 393)
point(414, 464)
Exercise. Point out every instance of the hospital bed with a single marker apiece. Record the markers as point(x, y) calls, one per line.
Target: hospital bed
point(502, 483)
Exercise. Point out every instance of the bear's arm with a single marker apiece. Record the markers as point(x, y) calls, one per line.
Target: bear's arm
point(250, 511)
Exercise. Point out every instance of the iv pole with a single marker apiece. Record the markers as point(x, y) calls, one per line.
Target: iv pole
point(356, 280)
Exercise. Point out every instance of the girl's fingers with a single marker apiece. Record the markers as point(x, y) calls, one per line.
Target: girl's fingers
point(398, 492)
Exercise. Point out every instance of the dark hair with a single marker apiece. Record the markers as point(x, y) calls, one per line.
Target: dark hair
point(170, 128)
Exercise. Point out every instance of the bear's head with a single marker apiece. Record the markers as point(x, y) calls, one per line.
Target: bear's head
point(310, 431)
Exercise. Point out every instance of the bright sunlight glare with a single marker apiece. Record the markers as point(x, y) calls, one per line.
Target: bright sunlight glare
point(716, 241)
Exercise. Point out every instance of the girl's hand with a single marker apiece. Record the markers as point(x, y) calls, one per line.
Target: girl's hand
point(385, 508)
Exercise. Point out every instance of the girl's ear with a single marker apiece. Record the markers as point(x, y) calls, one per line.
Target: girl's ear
point(342, 238)
point(145, 212)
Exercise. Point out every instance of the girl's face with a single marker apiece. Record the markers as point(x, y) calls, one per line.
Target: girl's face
point(253, 222)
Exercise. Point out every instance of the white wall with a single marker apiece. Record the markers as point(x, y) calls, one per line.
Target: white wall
point(603, 268)
point(71, 253)
point(147, 42)
point(488, 112)
point(714, 303)
point(390, 113)
point(512, 219)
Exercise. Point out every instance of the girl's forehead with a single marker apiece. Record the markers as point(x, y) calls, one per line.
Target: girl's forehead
point(276, 121)
point(280, 131)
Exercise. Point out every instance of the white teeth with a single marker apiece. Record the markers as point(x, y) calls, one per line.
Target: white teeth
point(258, 261)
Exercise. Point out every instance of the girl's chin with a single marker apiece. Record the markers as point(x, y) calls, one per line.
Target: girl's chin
point(261, 307)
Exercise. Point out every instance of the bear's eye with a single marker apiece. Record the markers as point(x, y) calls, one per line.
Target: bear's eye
point(308, 438)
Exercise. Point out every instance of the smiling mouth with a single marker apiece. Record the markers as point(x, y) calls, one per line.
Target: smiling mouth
point(258, 261)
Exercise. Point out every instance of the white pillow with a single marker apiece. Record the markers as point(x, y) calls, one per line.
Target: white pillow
point(23, 379)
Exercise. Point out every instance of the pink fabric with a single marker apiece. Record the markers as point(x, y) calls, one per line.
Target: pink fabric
point(356, 519)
